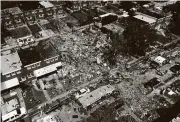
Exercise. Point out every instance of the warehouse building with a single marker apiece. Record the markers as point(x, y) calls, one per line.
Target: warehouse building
point(94, 96)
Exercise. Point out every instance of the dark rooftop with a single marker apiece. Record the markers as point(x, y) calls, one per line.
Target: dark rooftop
point(80, 16)
point(29, 5)
point(92, 12)
point(153, 82)
point(153, 14)
point(175, 68)
point(110, 9)
point(43, 51)
point(29, 56)
point(35, 28)
point(20, 32)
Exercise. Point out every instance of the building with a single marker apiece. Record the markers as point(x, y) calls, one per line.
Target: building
point(23, 35)
point(105, 19)
point(36, 30)
point(29, 16)
point(49, 10)
point(14, 115)
point(145, 18)
point(81, 17)
point(11, 64)
point(60, 12)
point(160, 60)
point(46, 70)
point(11, 17)
point(38, 56)
point(92, 97)
point(6, 85)
point(159, 14)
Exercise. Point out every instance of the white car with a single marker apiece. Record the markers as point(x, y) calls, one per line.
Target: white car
point(82, 92)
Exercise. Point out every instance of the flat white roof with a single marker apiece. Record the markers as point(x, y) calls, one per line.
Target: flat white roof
point(159, 60)
point(104, 15)
point(11, 62)
point(44, 70)
point(46, 4)
point(125, 15)
point(9, 115)
point(145, 18)
point(9, 84)
point(48, 69)
point(95, 95)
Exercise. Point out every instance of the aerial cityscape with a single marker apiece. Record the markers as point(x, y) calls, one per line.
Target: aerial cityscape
point(90, 61)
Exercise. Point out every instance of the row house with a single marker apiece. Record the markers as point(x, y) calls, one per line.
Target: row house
point(49, 12)
point(18, 20)
point(33, 65)
point(84, 5)
point(29, 16)
point(8, 22)
point(76, 6)
point(45, 62)
point(39, 13)
point(60, 12)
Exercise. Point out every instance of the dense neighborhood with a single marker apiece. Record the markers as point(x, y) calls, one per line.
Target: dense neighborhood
point(90, 61)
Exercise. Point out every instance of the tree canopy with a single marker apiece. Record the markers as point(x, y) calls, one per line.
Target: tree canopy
point(139, 37)
point(174, 25)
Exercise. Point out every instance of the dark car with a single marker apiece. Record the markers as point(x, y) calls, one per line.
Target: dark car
point(175, 69)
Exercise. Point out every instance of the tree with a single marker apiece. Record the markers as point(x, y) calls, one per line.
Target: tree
point(139, 37)
point(174, 24)
point(70, 25)
point(114, 48)
point(127, 5)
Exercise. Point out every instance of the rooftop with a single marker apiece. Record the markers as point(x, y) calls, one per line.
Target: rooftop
point(46, 4)
point(11, 62)
point(14, 10)
point(153, 13)
point(82, 17)
point(43, 51)
point(46, 70)
point(20, 32)
point(35, 28)
point(159, 59)
point(9, 84)
point(92, 12)
point(95, 95)
point(10, 102)
point(145, 18)
point(29, 5)
point(110, 9)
